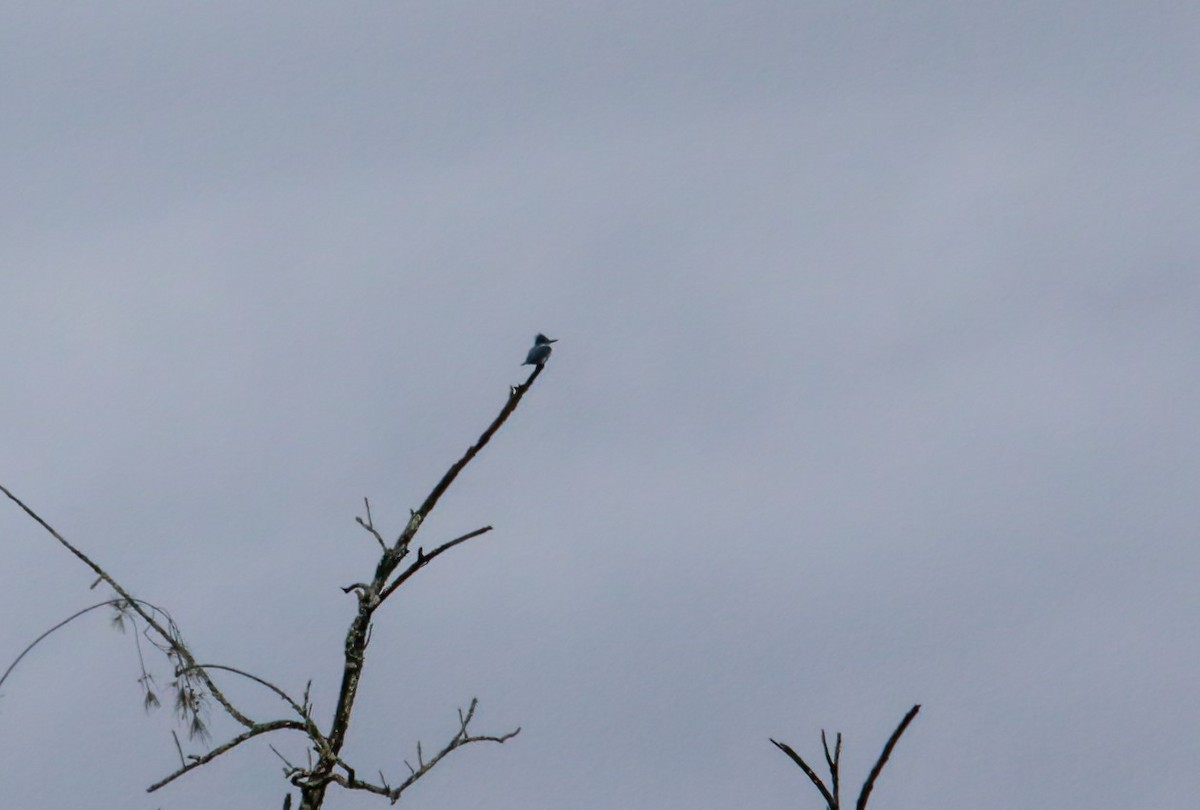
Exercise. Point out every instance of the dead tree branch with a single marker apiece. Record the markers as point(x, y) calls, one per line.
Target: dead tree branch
point(869, 785)
point(463, 737)
point(314, 782)
point(195, 685)
point(833, 759)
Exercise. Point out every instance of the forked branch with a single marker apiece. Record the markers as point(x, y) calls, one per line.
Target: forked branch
point(833, 759)
point(424, 766)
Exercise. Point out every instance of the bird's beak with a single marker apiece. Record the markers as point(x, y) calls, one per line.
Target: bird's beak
point(555, 340)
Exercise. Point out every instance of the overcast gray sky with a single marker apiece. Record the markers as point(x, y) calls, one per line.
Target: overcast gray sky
point(877, 385)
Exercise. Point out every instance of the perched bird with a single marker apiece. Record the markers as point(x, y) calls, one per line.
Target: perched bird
point(540, 352)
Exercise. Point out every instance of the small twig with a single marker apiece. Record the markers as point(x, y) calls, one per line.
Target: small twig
point(424, 559)
point(290, 768)
point(369, 525)
point(253, 731)
point(179, 748)
point(146, 681)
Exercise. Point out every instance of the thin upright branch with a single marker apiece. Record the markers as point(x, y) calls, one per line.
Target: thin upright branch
point(833, 761)
point(179, 749)
point(883, 757)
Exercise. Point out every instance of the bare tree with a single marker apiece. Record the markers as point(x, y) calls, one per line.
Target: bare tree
point(195, 688)
point(832, 793)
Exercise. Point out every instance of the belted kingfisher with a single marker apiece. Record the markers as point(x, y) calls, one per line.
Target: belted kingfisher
point(540, 352)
